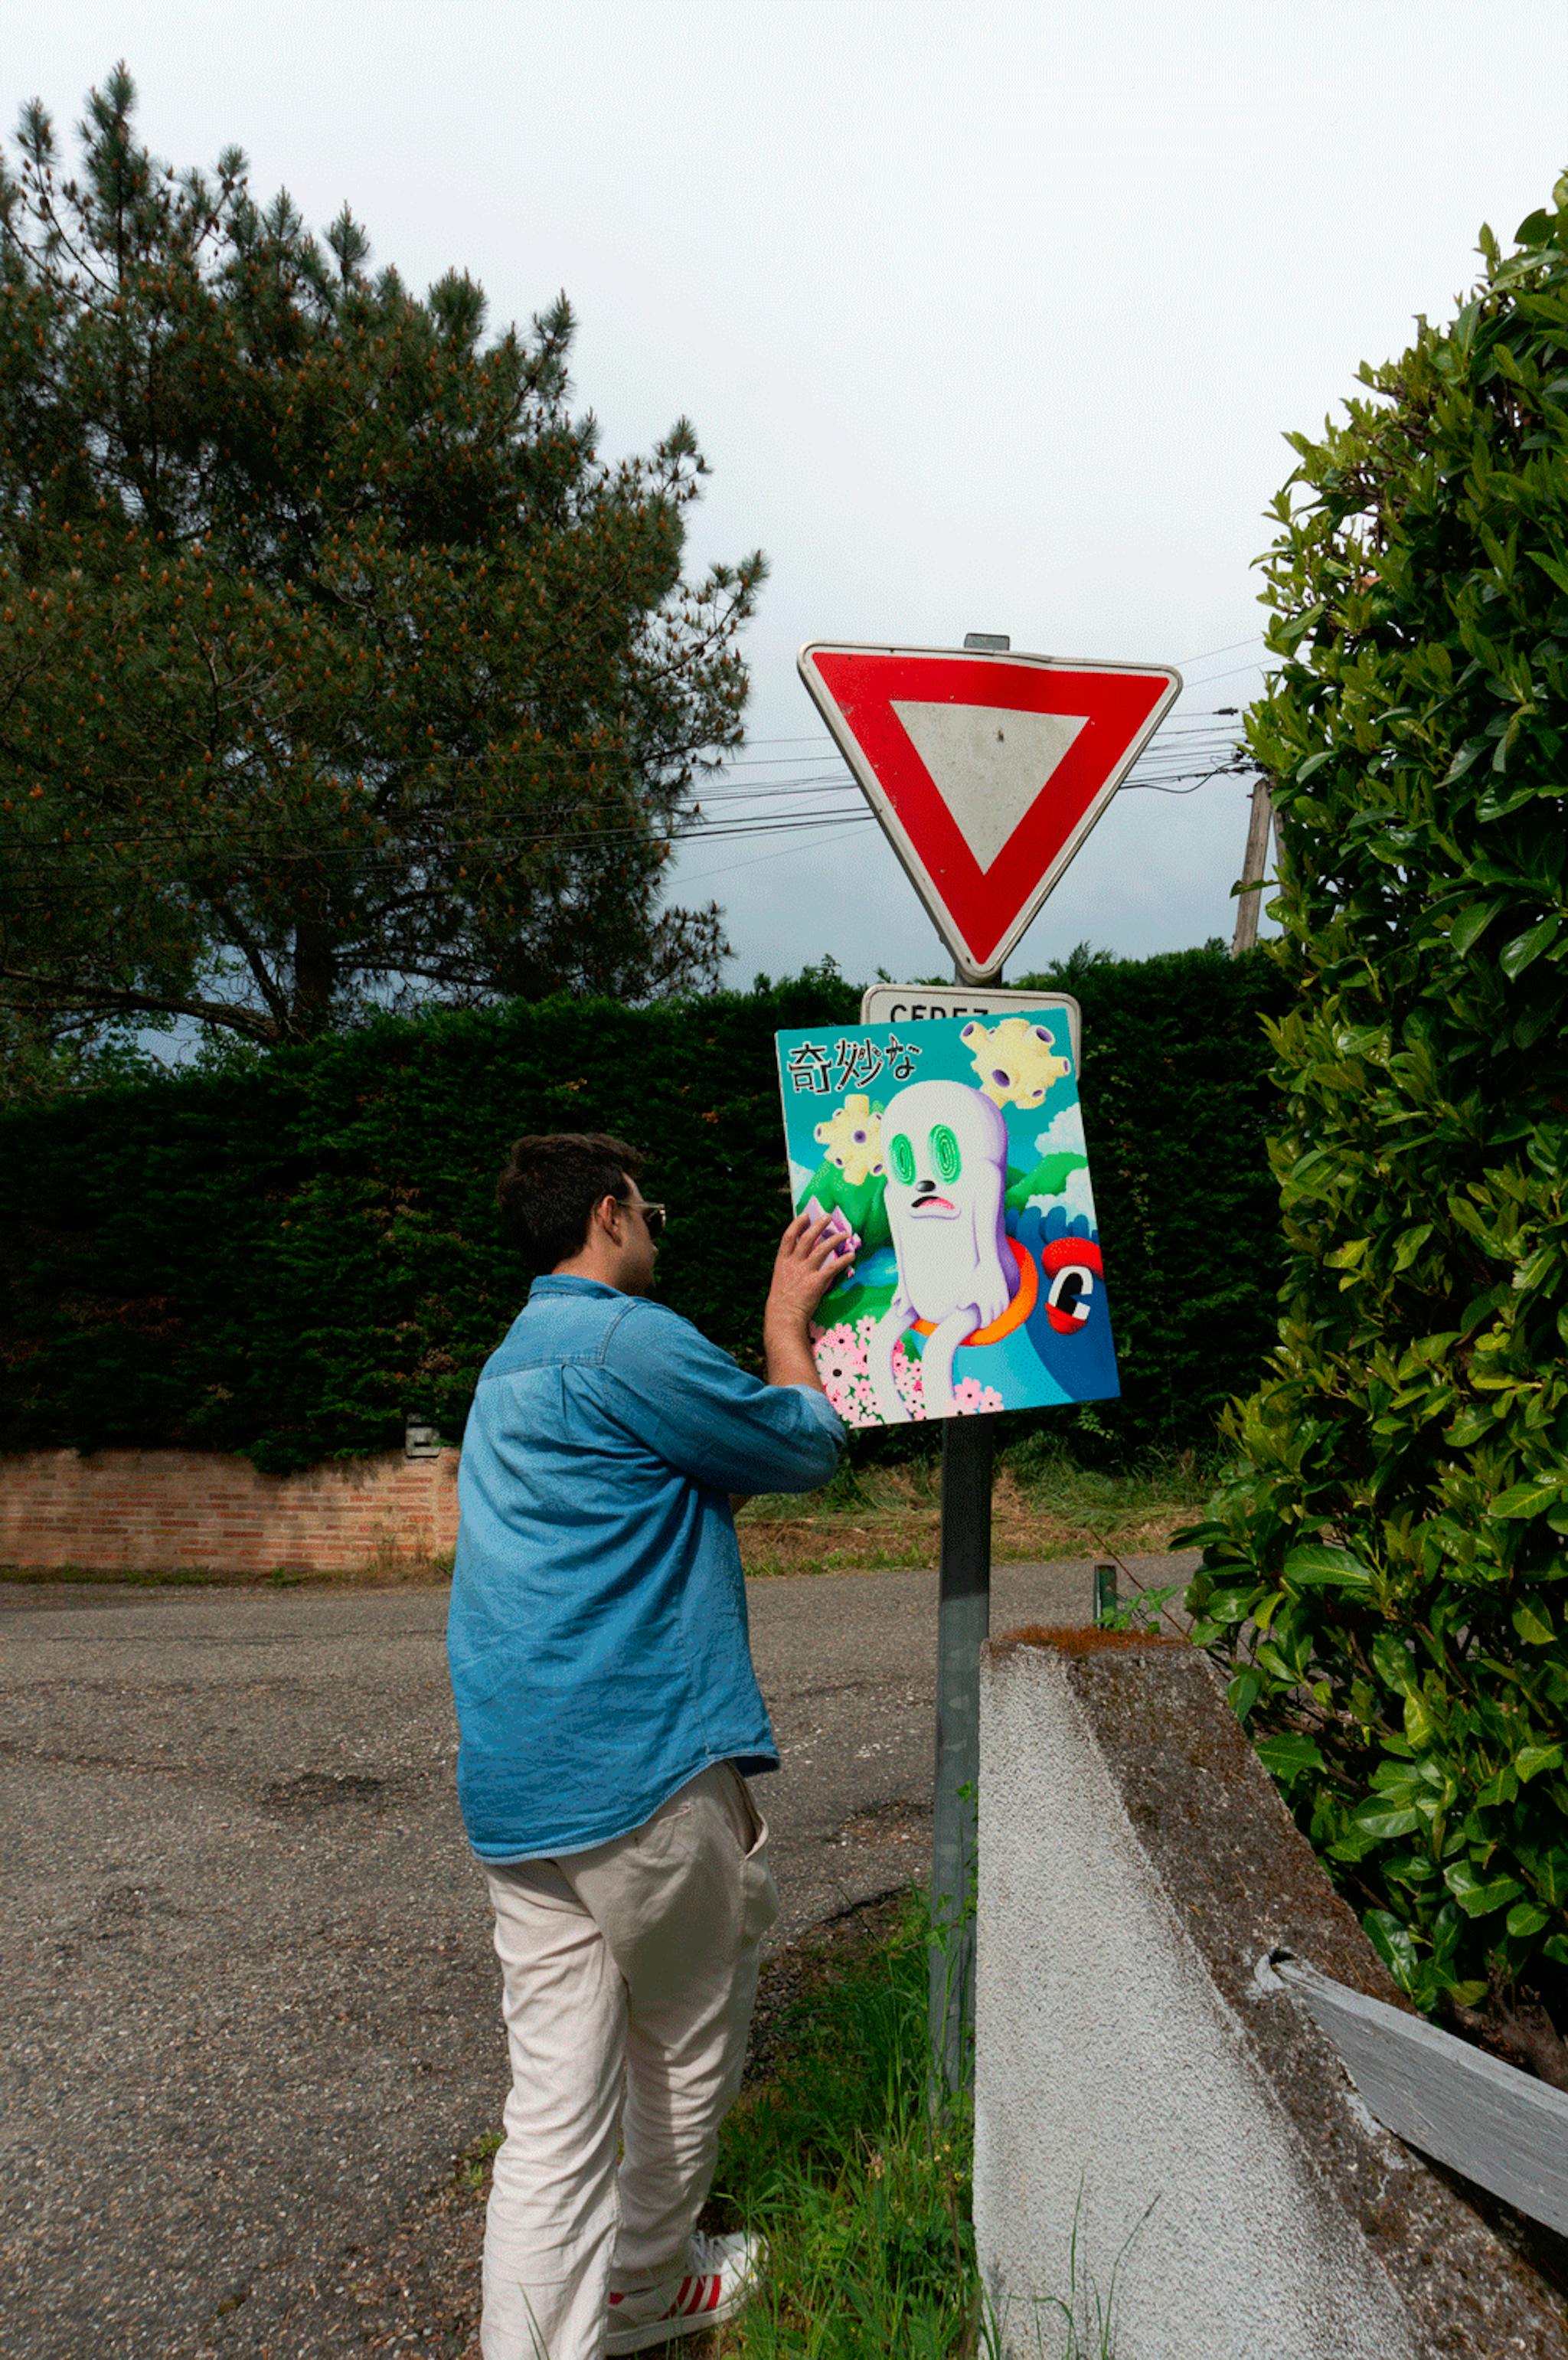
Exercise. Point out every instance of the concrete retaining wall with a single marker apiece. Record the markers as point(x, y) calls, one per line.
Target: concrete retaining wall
point(167, 1511)
point(1151, 2119)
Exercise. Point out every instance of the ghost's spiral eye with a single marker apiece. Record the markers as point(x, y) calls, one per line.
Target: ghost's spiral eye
point(945, 1152)
point(903, 1158)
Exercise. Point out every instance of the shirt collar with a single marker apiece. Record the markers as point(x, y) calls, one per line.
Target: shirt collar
point(566, 1281)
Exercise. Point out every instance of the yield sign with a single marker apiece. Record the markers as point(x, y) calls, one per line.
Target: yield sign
point(986, 770)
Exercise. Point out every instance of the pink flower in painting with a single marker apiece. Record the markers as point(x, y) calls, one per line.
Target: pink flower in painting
point(907, 1377)
point(847, 1346)
point(972, 1397)
point(836, 1367)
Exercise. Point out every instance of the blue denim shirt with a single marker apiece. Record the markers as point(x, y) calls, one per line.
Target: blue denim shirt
point(597, 1635)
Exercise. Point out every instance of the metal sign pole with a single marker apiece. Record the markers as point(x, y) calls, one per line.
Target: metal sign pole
point(962, 1627)
point(963, 1622)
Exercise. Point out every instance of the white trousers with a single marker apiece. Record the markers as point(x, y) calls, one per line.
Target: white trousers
point(628, 1975)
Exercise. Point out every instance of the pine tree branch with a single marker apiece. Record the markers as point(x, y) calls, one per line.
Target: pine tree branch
point(110, 999)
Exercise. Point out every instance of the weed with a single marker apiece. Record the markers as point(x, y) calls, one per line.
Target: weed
point(473, 2173)
point(1081, 2326)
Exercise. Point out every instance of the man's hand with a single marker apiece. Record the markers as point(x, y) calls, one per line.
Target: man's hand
point(812, 1254)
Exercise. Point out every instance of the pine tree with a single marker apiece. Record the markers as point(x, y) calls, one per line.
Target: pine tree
point(337, 667)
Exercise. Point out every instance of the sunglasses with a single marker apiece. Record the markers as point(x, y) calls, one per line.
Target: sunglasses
point(653, 1216)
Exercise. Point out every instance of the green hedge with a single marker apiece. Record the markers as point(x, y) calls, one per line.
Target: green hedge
point(291, 1259)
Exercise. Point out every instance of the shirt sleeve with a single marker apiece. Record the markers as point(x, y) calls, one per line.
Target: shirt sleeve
point(710, 1417)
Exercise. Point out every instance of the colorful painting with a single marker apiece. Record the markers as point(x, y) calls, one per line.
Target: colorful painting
point(953, 1158)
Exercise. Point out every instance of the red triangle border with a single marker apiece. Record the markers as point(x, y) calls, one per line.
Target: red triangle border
point(982, 907)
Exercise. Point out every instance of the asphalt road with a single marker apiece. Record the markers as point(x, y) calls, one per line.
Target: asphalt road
point(251, 2010)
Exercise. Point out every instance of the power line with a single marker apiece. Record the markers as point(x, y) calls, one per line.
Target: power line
point(1209, 653)
point(856, 818)
point(717, 804)
point(497, 813)
point(353, 768)
point(503, 829)
point(1212, 679)
point(338, 781)
point(494, 863)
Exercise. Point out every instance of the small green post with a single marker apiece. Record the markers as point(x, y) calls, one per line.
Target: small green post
point(1105, 1592)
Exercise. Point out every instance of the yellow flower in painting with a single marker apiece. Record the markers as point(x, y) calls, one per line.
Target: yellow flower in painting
point(1015, 1062)
point(853, 1138)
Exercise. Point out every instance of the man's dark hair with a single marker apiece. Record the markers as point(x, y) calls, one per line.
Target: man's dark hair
point(550, 1186)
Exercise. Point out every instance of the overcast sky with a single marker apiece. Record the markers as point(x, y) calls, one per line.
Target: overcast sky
point(987, 319)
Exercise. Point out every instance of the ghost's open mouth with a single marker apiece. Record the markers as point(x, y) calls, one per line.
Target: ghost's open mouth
point(933, 1205)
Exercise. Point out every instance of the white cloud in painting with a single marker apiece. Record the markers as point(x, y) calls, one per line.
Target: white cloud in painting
point(1065, 1135)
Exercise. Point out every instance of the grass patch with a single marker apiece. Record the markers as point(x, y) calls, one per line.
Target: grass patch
point(386, 1570)
point(1044, 1505)
point(130, 1577)
point(831, 2155)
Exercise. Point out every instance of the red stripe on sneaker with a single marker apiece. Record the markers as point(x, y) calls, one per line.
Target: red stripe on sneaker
point(712, 2301)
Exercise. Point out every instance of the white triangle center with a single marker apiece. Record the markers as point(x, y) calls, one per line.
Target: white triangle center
point(989, 762)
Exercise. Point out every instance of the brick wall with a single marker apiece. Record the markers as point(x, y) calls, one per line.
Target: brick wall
point(152, 1511)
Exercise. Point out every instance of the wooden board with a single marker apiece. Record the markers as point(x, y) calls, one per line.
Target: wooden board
point(1500, 2128)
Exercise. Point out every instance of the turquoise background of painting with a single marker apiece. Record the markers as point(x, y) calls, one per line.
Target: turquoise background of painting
point(1049, 1197)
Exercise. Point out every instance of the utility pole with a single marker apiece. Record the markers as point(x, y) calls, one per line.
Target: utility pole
point(1253, 867)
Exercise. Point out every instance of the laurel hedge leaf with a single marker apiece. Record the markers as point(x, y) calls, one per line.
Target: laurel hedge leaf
point(1402, 1470)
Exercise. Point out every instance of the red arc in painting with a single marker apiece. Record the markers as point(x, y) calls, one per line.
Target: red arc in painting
point(986, 770)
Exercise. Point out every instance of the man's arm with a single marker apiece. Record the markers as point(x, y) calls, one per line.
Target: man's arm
point(699, 1409)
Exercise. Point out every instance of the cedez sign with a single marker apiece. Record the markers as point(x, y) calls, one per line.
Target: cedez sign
point(905, 1003)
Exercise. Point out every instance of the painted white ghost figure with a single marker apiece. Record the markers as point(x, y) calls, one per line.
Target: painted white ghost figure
point(946, 1149)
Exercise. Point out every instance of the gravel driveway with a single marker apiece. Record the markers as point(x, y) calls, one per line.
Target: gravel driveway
point(251, 2008)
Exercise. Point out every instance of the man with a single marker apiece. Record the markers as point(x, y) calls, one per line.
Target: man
point(609, 1714)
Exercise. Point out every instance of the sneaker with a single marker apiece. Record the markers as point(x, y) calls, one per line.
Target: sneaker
point(721, 2275)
